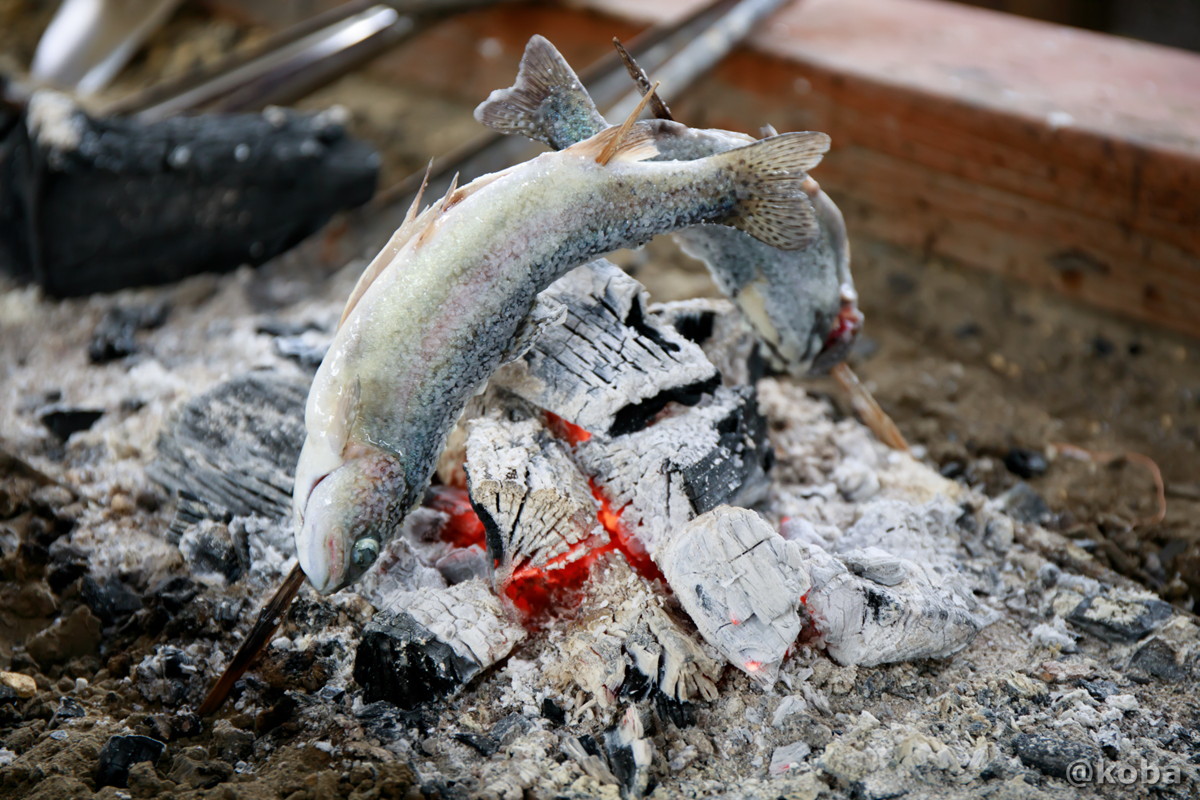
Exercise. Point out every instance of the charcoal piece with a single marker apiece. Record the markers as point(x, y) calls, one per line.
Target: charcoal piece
point(723, 334)
point(235, 446)
point(741, 583)
point(1024, 504)
point(1052, 755)
point(62, 421)
point(683, 465)
point(191, 510)
point(553, 712)
point(608, 367)
point(483, 744)
point(1120, 618)
point(429, 643)
point(95, 205)
point(110, 599)
point(630, 754)
point(122, 752)
point(68, 708)
point(510, 728)
point(872, 608)
point(1157, 659)
point(1025, 463)
point(115, 336)
point(535, 505)
point(209, 548)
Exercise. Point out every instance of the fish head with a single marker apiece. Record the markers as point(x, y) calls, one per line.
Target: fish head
point(348, 515)
point(842, 334)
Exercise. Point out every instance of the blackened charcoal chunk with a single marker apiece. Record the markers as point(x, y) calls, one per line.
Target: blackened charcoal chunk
point(1025, 463)
point(235, 446)
point(62, 421)
point(115, 336)
point(1051, 754)
point(1157, 659)
point(109, 599)
point(95, 205)
point(403, 662)
point(68, 708)
point(510, 728)
point(739, 463)
point(1024, 504)
point(209, 548)
point(485, 745)
point(553, 712)
point(122, 752)
point(1120, 619)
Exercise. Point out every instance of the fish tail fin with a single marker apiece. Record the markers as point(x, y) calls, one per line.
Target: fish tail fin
point(772, 204)
point(546, 103)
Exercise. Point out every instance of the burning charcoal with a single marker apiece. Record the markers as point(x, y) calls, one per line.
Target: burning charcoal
point(1120, 617)
point(94, 205)
point(122, 752)
point(628, 644)
point(683, 465)
point(429, 643)
point(872, 608)
point(741, 583)
point(235, 446)
point(535, 505)
point(62, 421)
point(608, 367)
point(114, 336)
point(630, 753)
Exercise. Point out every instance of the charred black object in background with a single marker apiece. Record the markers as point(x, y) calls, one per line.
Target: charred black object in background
point(94, 205)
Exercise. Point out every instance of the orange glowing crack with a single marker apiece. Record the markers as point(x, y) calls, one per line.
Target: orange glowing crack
point(567, 431)
point(464, 527)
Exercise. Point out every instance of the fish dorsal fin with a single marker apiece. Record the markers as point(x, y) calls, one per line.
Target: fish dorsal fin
point(385, 256)
point(642, 81)
point(625, 142)
point(437, 209)
point(767, 131)
point(547, 102)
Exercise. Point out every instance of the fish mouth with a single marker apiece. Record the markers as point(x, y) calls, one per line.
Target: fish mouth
point(324, 561)
point(841, 338)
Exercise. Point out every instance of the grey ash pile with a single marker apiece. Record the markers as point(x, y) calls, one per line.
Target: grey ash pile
point(645, 570)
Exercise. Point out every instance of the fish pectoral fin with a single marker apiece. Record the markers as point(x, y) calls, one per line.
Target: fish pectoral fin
point(772, 204)
point(547, 102)
point(545, 314)
point(344, 417)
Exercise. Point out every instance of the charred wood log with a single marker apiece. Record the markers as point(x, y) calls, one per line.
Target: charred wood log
point(684, 464)
point(536, 507)
point(609, 367)
point(234, 447)
point(741, 583)
point(94, 205)
point(429, 643)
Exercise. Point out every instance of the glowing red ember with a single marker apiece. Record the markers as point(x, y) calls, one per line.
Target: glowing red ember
point(567, 431)
point(464, 528)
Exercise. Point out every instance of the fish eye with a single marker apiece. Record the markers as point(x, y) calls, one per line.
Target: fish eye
point(366, 550)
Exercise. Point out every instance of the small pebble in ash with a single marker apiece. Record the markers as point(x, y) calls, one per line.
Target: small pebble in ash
point(1025, 463)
